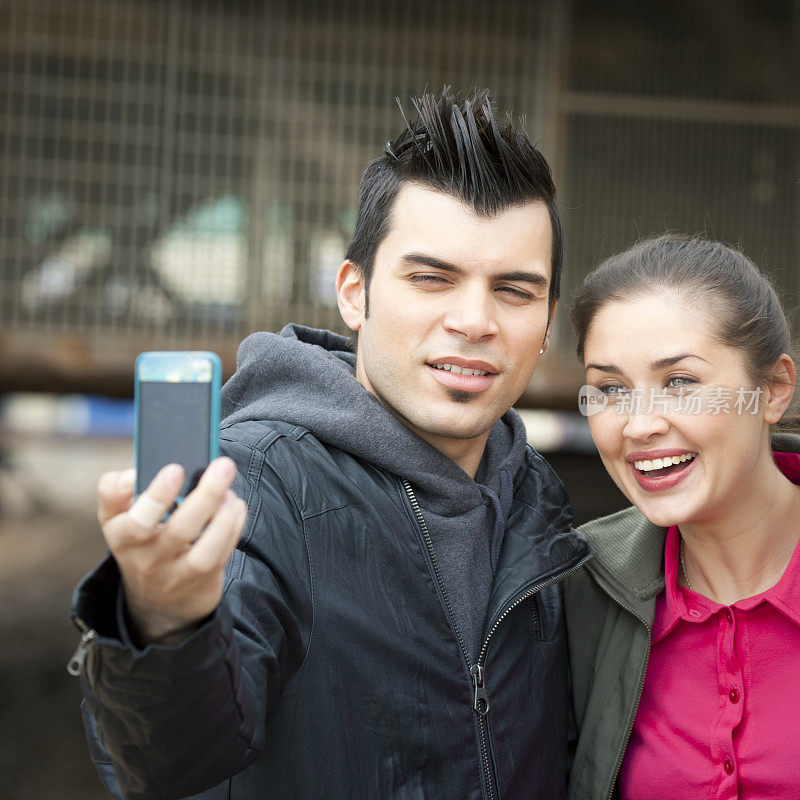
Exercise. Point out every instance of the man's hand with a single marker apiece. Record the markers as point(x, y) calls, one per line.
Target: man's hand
point(173, 571)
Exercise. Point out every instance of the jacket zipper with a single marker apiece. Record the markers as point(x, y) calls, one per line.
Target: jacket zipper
point(481, 699)
point(477, 671)
point(75, 664)
point(638, 693)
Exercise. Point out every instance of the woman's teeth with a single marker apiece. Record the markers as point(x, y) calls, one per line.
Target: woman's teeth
point(660, 463)
point(459, 370)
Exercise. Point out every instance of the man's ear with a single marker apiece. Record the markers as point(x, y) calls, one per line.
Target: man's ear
point(549, 330)
point(350, 294)
point(779, 389)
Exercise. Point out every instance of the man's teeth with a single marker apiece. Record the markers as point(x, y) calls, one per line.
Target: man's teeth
point(660, 463)
point(460, 370)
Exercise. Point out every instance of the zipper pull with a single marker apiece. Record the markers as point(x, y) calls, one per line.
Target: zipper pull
point(481, 704)
point(75, 664)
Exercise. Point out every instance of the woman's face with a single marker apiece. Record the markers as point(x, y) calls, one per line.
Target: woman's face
point(684, 427)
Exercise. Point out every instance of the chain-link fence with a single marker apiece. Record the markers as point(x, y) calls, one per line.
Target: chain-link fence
point(684, 116)
point(179, 173)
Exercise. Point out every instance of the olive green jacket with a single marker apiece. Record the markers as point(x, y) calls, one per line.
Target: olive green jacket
point(610, 606)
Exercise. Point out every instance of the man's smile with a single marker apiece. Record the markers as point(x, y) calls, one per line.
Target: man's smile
point(459, 370)
point(463, 366)
point(465, 375)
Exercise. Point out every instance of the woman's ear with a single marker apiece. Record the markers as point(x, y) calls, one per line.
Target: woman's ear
point(350, 294)
point(780, 389)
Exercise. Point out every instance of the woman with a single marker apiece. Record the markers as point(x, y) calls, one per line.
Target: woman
point(685, 627)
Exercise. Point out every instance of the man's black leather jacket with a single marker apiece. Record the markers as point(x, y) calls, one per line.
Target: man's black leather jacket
point(332, 668)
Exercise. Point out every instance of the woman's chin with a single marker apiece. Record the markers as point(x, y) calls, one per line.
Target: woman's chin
point(662, 519)
point(660, 513)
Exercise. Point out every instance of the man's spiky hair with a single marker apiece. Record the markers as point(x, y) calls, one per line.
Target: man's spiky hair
point(456, 146)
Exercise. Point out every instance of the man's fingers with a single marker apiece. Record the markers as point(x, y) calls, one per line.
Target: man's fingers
point(213, 549)
point(146, 512)
point(151, 505)
point(203, 503)
point(114, 493)
point(144, 515)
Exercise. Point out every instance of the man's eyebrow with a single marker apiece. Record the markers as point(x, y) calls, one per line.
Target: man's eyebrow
point(431, 261)
point(661, 363)
point(526, 277)
point(517, 275)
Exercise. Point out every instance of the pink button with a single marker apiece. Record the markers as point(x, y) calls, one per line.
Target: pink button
point(728, 765)
point(729, 615)
point(734, 695)
point(693, 612)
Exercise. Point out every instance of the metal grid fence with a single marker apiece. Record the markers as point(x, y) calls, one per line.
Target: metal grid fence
point(188, 171)
point(181, 172)
point(684, 117)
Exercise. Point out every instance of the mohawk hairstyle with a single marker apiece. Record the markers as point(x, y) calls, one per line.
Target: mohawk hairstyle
point(456, 146)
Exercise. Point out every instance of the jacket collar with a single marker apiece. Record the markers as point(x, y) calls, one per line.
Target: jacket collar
point(629, 553)
point(540, 545)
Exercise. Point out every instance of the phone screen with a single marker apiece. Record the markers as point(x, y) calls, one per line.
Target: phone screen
point(173, 428)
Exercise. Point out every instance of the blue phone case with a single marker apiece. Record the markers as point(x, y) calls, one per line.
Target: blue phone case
point(180, 367)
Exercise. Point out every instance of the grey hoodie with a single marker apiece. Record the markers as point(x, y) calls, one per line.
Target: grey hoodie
point(306, 377)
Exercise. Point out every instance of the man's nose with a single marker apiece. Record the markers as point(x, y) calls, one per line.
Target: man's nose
point(472, 315)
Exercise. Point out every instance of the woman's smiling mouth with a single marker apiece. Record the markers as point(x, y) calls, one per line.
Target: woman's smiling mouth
point(660, 470)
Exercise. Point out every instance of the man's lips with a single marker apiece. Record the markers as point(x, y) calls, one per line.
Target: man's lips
point(463, 374)
point(463, 363)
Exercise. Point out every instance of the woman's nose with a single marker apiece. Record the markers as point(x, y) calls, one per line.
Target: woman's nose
point(645, 419)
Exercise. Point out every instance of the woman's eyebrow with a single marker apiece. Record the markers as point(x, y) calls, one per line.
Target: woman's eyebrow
point(669, 361)
point(605, 368)
point(661, 363)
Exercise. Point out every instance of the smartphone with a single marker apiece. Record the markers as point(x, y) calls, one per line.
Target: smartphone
point(177, 407)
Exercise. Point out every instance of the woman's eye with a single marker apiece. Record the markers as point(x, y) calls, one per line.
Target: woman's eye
point(680, 381)
point(613, 390)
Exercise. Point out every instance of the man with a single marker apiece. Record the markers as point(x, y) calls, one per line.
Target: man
point(389, 625)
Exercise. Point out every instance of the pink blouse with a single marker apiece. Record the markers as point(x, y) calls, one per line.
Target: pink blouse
point(719, 715)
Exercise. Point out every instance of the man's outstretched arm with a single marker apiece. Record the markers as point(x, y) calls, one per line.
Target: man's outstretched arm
point(179, 680)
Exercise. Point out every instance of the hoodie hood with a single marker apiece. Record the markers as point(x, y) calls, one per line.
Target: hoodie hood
point(306, 377)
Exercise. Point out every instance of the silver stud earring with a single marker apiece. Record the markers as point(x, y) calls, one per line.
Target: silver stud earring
point(541, 350)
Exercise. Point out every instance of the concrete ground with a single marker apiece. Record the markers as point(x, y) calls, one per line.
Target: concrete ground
point(49, 537)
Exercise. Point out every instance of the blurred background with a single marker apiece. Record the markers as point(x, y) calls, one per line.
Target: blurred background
point(178, 173)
